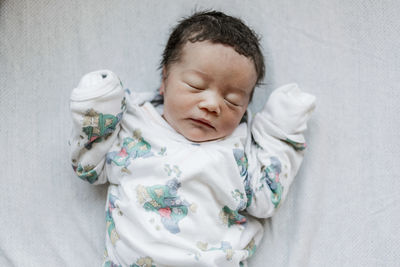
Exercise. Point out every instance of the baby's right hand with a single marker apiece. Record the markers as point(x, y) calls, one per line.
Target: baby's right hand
point(95, 84)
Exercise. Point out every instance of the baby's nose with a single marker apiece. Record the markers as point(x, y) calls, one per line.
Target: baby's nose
point(211, 104)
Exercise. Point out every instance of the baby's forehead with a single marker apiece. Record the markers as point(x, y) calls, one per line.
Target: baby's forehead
point(217, 53)
point(205, 46)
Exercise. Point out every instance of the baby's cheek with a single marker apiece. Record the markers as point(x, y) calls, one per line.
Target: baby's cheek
point(230, 125)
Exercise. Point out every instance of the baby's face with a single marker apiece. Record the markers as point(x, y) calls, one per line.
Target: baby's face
point(207, 91)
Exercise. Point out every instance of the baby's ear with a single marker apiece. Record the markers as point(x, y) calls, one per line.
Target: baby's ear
point(162, 88)
point(163, 80)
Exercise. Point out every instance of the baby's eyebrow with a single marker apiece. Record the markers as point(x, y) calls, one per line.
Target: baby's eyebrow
point(238, 90)
point(203, 75)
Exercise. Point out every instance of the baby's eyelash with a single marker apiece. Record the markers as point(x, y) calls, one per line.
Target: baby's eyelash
point(194, 87)
point(233, 104)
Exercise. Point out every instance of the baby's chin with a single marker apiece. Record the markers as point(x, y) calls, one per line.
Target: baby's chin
point(200, 138)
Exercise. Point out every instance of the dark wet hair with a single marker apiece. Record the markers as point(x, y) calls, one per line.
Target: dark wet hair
point(216, 27)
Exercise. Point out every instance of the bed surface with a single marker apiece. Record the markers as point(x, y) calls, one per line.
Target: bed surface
point(344, 206)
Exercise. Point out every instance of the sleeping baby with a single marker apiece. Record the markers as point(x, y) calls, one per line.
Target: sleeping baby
point(191, 172)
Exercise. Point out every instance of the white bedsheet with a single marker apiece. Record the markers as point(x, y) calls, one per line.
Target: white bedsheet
point(343, 209)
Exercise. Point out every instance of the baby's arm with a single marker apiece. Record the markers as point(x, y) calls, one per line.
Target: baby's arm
point(278, 148)
point(97, 106)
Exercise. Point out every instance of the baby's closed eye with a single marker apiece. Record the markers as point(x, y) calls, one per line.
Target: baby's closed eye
point(234, 99)
point(195, 86)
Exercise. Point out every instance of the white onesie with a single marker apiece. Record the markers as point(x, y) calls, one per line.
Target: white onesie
point(173, 202)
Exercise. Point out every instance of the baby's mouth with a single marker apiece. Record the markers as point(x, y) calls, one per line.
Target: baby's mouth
point(203, 122)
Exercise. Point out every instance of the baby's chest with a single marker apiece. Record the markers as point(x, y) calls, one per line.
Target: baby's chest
point(144, 159)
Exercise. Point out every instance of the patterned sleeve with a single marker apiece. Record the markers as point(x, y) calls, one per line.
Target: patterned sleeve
point(276, 149)
point(97, 106)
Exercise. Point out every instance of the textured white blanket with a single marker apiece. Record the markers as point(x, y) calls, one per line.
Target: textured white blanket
point(343, 208)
